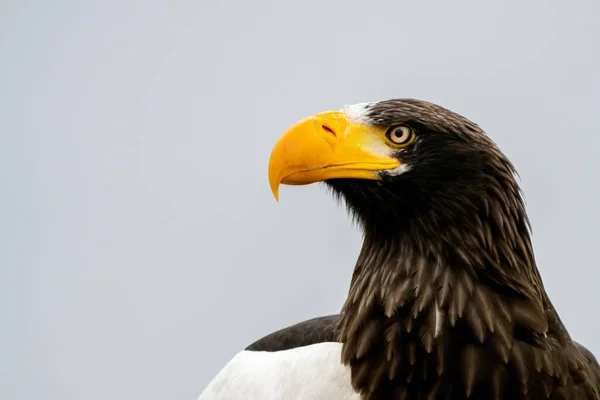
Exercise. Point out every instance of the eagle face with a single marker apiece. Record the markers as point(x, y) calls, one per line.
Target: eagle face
point(396, 162)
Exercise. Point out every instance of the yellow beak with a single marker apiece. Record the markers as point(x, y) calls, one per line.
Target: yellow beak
point(326, 146)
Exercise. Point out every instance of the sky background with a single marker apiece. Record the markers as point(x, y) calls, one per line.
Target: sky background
point(140, 245)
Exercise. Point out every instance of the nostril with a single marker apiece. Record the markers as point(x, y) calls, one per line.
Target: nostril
point(328, 129)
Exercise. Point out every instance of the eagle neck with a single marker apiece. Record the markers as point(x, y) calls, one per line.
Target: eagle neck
point(420, 300)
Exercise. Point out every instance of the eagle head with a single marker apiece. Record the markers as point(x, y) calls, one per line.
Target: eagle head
point(400, 164)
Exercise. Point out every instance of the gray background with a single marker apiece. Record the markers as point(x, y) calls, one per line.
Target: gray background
point(140, 246)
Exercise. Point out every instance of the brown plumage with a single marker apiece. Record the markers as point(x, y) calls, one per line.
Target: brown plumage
point(446, 301)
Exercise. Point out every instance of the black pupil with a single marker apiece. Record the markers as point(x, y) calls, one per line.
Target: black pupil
point(399, 133)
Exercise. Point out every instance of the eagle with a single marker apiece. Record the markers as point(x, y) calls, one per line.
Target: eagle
point(445, 300)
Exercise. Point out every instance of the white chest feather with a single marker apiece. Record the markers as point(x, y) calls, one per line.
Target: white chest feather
point(305, 373)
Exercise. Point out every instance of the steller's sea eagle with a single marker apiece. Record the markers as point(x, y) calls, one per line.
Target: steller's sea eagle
point(445, 301)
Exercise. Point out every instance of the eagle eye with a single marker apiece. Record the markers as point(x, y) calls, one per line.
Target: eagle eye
point(400, 135)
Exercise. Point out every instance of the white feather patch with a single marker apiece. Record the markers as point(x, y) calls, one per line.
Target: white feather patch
point(399, 170)
point(312, 372)
point(356, 112)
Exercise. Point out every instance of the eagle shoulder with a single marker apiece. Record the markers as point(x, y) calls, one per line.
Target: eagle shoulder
point(301, 361)
point(305, 333)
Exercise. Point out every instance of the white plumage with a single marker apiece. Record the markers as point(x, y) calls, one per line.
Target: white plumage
point(312, 372)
